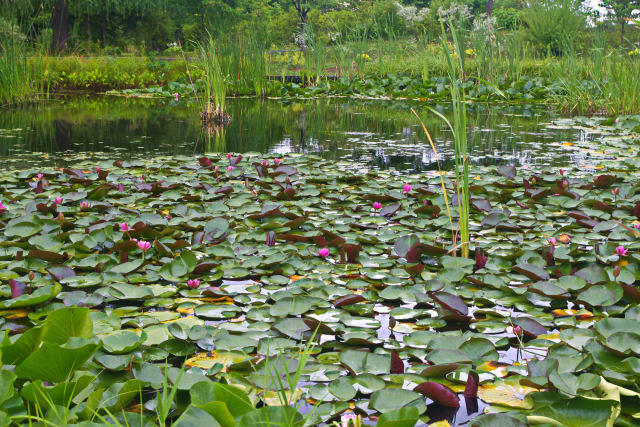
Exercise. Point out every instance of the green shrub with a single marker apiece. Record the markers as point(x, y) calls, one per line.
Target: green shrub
point(554, 25)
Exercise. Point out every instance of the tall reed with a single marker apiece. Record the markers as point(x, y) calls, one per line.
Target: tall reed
point(21, 80)
point(215, 83)
point(459, 129)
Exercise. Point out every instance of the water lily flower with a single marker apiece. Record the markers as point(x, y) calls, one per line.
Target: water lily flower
point(377, 205)
point(167, 216)
point(534, 180)
point(323, 252)
point(2, 207)
point(407, 188)
point(97, 169)
point(60, 217)
point(616, 271)
point(553, 241)
point(84, 205)
point(229, 156)
point(565, 184)
point(348, 419)
point(615, 191)
point(276, 161)
point(175, 96)
point(622, 251)
point(40, 176)
point(265, 163)
point(229, 168)
point(517, 331)
point(57, 200)
point(32, 275)
point(120, 188)
point(144, 245)
point(124, 227)
point(636, 225)
point(215, 168)
point(193, 283)
point(561, 172)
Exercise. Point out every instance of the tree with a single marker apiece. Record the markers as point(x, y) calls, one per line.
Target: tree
point(303, 7)
point(622, 10)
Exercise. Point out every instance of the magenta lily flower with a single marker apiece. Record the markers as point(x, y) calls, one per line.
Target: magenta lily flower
point(2, 207)
point(616, 272)
point(565, 184)
point(97, 169)
point(229, 156)
point(622, 251)
point(193, 284)
point(144, 245)
point(175, 96)
point(229, 168)
point(40, 176)
point(276, 161)
point(215, 168)
point(517, 331)
point(265, 163)
point(377, 205)
point(57, 200)
point(84, 205)
point(324, 252)
point(553, 241)
point(636, 225)
point(615, 191)
point(60, 217)
point(124, 227)
point(407, 188)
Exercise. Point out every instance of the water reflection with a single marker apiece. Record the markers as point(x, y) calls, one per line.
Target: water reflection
point(381, 133)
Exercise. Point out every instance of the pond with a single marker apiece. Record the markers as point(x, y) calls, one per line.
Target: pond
point(377, 132)
point(320, 276)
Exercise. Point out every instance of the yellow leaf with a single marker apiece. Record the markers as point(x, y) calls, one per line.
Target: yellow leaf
point(506, 393)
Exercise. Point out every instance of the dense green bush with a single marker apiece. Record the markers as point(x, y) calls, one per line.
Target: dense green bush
point(554, 25)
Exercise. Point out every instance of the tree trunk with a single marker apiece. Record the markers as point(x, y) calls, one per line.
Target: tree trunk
point(87, 27)
point(489, 7)
point(60, 16)
point(622, 23)
point(103, 30)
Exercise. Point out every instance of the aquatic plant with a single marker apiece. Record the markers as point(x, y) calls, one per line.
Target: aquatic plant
point(215, 85)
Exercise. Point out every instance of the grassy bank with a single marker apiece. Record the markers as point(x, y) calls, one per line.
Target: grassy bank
point(596, 82)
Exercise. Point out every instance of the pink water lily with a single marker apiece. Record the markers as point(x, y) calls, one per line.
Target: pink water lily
point(144, 245)
point(552, 241)
point(193, 283)
point(120, 188)
point(323, 252)
point(40, 176)
point(616, 271)
point(2, 207)
point(615, 191)
point(347, 420)
point(276, 161)
point(229, 168)
point(229, 156)
point(636, 225)
point(60, 217)
point(377, 205)
point(265, 163)
point(407, 188)
point(57, 200)
point(517, 331)
point(97, 169)
point(622, 251)
point(215, 168)
point(175, 96)
point(124, 227)
point(84, 205)
point(565, 184)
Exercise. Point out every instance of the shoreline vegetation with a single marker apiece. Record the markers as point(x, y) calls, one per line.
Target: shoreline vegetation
point(578, 68)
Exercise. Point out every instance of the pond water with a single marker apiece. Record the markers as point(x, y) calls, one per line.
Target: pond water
point(377, 132)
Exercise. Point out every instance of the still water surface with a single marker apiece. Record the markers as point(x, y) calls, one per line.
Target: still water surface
point(381, 133)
